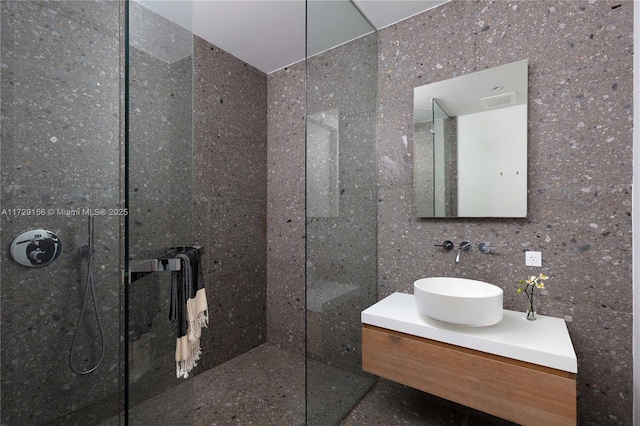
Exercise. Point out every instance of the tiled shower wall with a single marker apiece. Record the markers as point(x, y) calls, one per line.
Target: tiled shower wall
point(341, 250)
point(206, 188)
point(344, 247)
point(160, 187)
point(230, 195)
point(60, 152)
point(286, 207)
point(580, 169)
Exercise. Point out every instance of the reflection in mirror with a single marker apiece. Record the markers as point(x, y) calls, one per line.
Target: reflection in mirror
point(470, 145)
point(322, 164)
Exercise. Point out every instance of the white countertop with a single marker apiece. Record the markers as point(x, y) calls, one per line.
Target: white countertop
point(544, 342)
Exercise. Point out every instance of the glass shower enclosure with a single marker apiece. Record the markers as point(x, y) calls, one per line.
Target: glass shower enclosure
point(66, 161)
point(106, 113)
point(341, 204)
point(159, 196)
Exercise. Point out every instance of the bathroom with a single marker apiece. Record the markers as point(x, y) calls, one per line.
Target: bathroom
point(266, 256)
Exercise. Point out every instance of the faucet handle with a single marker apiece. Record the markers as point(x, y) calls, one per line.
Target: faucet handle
point(447, 245)
point(465, 246)
point(484, 247)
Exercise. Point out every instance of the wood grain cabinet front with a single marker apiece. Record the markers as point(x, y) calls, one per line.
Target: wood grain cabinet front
point(521, 392)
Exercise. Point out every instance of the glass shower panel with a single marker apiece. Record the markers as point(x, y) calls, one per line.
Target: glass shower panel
point(160, 201)
point(60, 163)
point(341, 223)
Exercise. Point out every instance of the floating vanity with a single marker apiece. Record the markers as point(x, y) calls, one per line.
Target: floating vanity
point(522, 371)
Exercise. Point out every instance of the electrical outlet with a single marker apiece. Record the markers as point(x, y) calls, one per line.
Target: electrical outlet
point(533, 258)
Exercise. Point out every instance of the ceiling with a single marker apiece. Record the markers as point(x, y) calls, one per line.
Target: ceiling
point(270, 34)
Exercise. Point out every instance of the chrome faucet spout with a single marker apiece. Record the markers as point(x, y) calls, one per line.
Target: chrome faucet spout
point(464, 246)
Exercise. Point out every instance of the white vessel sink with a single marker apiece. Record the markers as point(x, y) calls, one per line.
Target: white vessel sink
point(459, 301)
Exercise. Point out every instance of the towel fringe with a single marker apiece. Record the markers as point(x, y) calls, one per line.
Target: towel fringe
point(185, 366)
point(196, 325)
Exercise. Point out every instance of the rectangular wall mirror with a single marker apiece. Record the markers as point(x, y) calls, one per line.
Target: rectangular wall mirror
point(470, 144)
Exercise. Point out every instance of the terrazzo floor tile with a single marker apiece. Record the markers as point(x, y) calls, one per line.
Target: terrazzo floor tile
point(390, 403)
point(332, 392)
point(264, 386)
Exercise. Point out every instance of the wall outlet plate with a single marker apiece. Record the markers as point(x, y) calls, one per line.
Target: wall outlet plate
point(533, 258)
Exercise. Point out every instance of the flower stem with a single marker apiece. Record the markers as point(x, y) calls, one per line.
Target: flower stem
point(530, 313)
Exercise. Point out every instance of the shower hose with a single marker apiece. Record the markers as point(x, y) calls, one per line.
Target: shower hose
point(87, 250)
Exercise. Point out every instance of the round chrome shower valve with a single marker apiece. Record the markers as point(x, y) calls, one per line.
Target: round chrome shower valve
point(36, 248)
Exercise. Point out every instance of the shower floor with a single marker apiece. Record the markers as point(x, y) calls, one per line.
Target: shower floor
point(264, 386)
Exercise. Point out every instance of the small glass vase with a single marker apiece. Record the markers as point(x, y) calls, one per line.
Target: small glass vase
point(530, 312)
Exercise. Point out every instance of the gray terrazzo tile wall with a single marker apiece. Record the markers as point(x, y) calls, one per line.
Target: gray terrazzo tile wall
point(60, 152)
point(160, 187)
point(205, 187)
point(340, 241)
point(580, 169)
point(230, 200)
point(286, 208)
point(341, 250)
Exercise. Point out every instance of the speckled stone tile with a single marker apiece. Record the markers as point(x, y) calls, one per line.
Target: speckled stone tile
point(341, 250)
point(285, 232)
point(49, 117)
point(231, 92)
point(225, 186)
point(238, 234)
point(580, 168)
point(341, 346)
point(201, 220)
point(60, 153)
point(390, 403)
point(160, 160)
point(332, 392)
point(355, 233)
point(158, 37)
point(342, 79)
point(237, 155)
point(40, 309)
point(99, 18)
point(44, 31)
point(230, 192)
point(286, 307)
point(264, 386)
point(285, 208)
point(566, 34)
point(237, 317)
point(151, 339)
point(286, 133)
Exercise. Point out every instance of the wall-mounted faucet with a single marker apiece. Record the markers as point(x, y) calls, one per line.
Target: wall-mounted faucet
point(464, 246)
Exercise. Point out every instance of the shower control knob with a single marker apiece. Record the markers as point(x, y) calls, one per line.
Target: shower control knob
point(447, 245)
point(36, 248)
